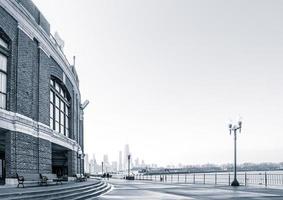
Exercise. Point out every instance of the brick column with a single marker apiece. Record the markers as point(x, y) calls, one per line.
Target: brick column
point(72, 163)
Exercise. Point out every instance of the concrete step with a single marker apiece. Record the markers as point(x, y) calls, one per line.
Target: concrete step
point(61, 194)
point(48, 192)
point(78, 195)
point(94, 194)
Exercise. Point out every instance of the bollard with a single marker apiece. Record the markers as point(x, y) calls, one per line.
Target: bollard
point(171, 178)
point(229, 179)
point(194, 179)
point(203, 178)
point(185, 178)
point(215, 179)
point(178, 178)
point(245, 178)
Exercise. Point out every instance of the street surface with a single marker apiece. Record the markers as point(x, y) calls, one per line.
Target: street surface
point(135, 190)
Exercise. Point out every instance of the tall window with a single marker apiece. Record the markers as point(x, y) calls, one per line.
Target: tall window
point(59, 108)
point(3, 73)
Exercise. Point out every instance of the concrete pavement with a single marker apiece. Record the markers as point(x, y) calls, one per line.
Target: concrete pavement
point(136, 190)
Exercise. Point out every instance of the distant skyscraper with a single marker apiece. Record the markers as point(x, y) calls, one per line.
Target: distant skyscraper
point(126, 153)
point(137, 162)
point(120, 161)
point(86, 165)
point(114, 166)
point(105, 159)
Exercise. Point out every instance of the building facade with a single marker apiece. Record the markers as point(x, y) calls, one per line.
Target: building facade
point(41, 115)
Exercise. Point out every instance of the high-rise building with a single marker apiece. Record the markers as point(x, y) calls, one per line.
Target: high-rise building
point(137, 162)
point(106, 164)
point(126, 153)
point(86, 164)
point(114, 166)
point(120, 161)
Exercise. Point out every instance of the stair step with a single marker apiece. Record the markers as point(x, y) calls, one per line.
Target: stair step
point(47, 193)
point(75, 195)
point(93, 194)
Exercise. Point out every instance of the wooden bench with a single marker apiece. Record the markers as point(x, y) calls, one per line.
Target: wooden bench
point(28, 178)
point(50, 177)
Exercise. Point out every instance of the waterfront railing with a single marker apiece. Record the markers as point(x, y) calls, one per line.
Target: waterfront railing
point(244, 178)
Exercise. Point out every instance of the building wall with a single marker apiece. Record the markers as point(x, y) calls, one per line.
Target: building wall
point(26, 154)
point(34, 58)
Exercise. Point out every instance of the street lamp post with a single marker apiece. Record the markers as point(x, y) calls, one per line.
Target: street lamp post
point(234, 128)
point(102, 168)
point(129, 165)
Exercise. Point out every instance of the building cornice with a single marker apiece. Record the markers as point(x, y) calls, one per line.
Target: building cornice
point(29, 26)
point(24, 125)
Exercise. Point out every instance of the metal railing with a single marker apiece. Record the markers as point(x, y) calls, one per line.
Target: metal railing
point(244, 178)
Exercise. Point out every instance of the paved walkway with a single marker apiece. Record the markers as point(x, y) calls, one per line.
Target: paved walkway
point(136, 190)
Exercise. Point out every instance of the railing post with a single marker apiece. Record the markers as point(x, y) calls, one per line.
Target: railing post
point(265, 179)
point(245, 178)
point(203, 178)
point(215, 179)
point(171, 178)
point(178, 178)
point(229, 179)
point(194, 179)
point(185, 178)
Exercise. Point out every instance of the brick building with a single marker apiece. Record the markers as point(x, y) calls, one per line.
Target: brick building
point(41, 115)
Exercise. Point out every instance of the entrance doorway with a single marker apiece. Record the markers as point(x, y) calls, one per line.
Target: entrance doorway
point(59, 160)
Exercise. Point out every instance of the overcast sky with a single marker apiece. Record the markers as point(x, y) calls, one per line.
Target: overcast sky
point(167, 76)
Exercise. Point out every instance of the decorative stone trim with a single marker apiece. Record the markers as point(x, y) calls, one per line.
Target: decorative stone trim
point(20, 123)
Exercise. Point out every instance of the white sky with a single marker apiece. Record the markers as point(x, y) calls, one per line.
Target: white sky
point(167, 76)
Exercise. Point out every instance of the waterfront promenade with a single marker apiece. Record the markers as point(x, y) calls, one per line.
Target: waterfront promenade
point(135, 190)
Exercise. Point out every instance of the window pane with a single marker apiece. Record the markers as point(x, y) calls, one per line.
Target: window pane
point(57, 126)
point(51, 111)
point(51, 96)
point(3, 101)
point(3, 43)
point(67, 110)
point(3, 82)
point(57, 101)
point(67, 132)
point(57, 115)
point(62, 106)
point(57, 86)
point(67, 122)
point(62, 118)
point(62, 129)
point(51, 123)
point(62, 93)
point(51, 82)
point(3, 62)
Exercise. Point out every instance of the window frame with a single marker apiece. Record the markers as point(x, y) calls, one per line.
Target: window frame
point(59, 101)
point(5, 51)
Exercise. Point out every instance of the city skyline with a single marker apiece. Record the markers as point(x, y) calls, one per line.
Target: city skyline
point(166, 77)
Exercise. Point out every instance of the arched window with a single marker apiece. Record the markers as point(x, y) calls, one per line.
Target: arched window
point(3, 73)
point(59, 108)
